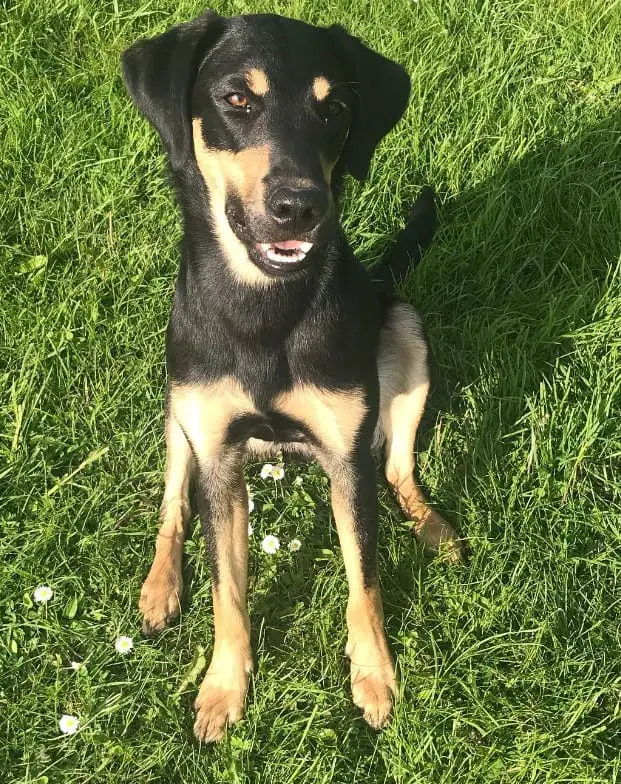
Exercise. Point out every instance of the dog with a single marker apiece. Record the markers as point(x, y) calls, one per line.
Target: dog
point(279, 340)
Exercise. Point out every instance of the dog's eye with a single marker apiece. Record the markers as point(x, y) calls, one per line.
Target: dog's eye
point(332, 109)
point(238, 100)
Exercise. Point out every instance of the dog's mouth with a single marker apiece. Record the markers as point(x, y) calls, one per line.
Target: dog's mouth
point(283, 255)
point(280, 257)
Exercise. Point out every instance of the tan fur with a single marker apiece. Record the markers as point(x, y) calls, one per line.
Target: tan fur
point(222, 694)
point(198, 416)
point(373, 678)
point(242, 172)
point(321, 88)
point(404, 384)
point(161, 592)
point(333, 417)
point(198, 420)
point(257, 81)
point(204, 412)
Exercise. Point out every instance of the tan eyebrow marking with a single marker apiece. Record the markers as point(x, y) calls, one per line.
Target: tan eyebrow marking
point(321, 87)
point(257, 81)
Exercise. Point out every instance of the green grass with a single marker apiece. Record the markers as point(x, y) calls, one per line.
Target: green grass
point(511, 665)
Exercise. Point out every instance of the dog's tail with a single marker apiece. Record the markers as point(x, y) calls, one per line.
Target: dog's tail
point(411, 243)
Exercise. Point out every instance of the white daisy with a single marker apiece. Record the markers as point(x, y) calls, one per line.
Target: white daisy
point(267, 470)
point(43, 594)
point(278, 473)
point(76, 666)
point(250, 530)
point(68, 725)
point(124, 644)
point(294, 545)
point(250, 505)
point(270, 544)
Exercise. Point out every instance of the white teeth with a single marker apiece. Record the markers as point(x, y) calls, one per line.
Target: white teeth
point(284, 255)
point(289, 258)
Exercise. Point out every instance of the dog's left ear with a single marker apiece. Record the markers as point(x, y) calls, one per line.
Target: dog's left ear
point(159, 74)
point(382, 88)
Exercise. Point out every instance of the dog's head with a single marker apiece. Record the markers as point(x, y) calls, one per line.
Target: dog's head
point(273, 111)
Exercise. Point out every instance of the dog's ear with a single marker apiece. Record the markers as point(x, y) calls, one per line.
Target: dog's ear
point(382, 88)
point(159, 74)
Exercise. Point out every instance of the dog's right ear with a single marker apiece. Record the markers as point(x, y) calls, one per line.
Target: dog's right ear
point(159, 74)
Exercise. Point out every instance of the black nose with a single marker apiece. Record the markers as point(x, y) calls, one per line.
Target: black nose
point(297, 209)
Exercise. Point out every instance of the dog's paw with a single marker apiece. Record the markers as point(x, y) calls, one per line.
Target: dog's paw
point(373, 688)
point(435, 534)
point(220, 703)
point(160, 598)
point(373, 679)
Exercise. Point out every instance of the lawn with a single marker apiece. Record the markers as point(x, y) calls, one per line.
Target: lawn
point(510, 665)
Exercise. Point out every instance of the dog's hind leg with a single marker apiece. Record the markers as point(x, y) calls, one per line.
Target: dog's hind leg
point(161, 591)
point(404, 384)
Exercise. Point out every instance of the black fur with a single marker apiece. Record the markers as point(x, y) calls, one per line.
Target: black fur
point(410, 245)
point(159, 74)
point(320, 324)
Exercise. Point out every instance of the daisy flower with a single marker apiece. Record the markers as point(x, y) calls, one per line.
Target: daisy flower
point(43, 594)
point(294, 545)
point(278, 473)
point(124, 644)
point(250, 530)
point(267, 470)
point(270, 544)
point(68, 725)
point(77, 666)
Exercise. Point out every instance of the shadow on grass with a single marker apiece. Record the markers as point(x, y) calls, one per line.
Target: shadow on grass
point(503, 291)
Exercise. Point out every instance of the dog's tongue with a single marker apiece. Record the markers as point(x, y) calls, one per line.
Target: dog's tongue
point(304, 247)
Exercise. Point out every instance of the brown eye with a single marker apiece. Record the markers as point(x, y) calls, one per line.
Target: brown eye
point(238, 100)
point(333, 109)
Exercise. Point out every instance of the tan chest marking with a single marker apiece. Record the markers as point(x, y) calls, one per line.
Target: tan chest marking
point(205, 412)
point(334, 418)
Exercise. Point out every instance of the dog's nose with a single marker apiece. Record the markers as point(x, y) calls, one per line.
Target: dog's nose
point(297, 209)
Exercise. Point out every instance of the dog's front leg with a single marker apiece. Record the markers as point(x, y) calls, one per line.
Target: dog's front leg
point(354, 505)
point(204, 414)
point(224, 516)
point(161, 593)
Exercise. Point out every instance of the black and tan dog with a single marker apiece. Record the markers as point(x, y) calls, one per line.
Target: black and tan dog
point(279, 340)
